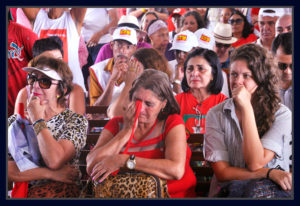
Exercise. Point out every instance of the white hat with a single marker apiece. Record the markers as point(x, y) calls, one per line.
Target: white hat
point(271, 12)
point(205, 38)
point(45, 70)
point(155, 26)
point(125, 33)
point(184, 41)
point(129, 21)
point(223, 33)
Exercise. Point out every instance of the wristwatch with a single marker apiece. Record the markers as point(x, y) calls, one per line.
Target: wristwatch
point(131, 162)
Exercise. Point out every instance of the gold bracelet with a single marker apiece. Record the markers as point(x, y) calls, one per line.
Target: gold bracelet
point(38, 127)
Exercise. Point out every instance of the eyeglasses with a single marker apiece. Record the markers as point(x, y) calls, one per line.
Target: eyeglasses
point(44, 82)
point(284, 66)
point(237, 21)
point(220, 45)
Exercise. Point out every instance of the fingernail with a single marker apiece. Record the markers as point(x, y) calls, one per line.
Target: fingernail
point(100, 181)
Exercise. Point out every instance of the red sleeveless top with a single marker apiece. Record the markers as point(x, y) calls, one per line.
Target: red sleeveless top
point(153, 147)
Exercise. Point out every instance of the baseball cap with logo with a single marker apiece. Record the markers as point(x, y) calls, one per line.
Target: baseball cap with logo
point(125, 33)
point(129, 21)
point(184, 41)
point(205, 38)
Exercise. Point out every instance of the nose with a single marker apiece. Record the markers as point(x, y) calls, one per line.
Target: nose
point(35, 84)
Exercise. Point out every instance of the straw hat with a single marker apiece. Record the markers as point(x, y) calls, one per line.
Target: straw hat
point(223, 33)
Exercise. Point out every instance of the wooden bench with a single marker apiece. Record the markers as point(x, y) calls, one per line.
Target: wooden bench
point(202, 173)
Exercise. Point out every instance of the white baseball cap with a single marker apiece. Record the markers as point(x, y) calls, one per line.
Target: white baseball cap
point(205, 38)
point(125, 33)
point(272, 12)
point(184, 41)
point(45, 70)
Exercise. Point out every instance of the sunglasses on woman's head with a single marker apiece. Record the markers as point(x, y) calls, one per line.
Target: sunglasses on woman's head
point(44, 82)
point(284, 66)
point(237, 21)
point(220, 45)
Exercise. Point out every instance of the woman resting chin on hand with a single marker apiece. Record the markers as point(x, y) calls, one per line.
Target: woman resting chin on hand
point(250, 133)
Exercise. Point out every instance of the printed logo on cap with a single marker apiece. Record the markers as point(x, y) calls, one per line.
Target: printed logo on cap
point(125, 32)
point(205, 38)
point(181, 37)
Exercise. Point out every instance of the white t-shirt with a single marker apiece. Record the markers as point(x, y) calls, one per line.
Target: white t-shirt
point(103, 77)
point(63, 27)
point(95, 20)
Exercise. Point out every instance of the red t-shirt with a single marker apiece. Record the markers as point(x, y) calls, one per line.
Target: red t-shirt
point(153, 147)
point(188, 106)
point(251, 38)
point(20, 42)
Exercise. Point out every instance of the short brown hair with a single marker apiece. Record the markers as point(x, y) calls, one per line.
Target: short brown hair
point(62, 69)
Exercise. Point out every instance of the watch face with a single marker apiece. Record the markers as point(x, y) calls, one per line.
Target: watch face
point(130, 164)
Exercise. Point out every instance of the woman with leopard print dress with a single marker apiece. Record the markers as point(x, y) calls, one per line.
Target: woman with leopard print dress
point(60, 133)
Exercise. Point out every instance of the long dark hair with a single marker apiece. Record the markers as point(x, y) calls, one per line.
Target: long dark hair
point(248, 28)
point(265, 100)
point(215, 86)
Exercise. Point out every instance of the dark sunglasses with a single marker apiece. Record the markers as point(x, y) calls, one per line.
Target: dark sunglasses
point(44, 82)
point(284, 66)
point(220, 45)
point(237, 21)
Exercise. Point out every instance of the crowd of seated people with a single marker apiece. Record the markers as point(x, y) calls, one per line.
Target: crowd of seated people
point(224, 73)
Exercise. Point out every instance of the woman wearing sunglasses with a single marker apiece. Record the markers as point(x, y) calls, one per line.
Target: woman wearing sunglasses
point(60, 132)
point(241, 29)
point(53, 47)
point(248, 136)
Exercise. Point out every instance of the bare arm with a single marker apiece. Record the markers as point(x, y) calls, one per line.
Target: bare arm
point(113, 16)
point(224, 172)
point(171, 167)
point(254, 153)
point(66, 174)
point(78, 17)
point(137, 13)
point(119, 106)
point(77, 100)
point(31, 14)
point(162, 16)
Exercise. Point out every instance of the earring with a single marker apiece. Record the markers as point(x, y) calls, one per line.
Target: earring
point(57, 96)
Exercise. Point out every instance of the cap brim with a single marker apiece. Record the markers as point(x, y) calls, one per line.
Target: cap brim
point(48, 72)
point(180, 48)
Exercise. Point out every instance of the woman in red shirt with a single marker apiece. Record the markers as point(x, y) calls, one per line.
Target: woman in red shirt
point(201, 85)
point(241, 29)
point(159, 141)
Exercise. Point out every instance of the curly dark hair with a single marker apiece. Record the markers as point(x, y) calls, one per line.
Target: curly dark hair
point(62, 69)
point(265, 100)
point(248, 28)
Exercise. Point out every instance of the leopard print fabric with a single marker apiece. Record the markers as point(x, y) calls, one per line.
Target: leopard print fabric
point(53, 190)
point(127, 185)
point(66, 125)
